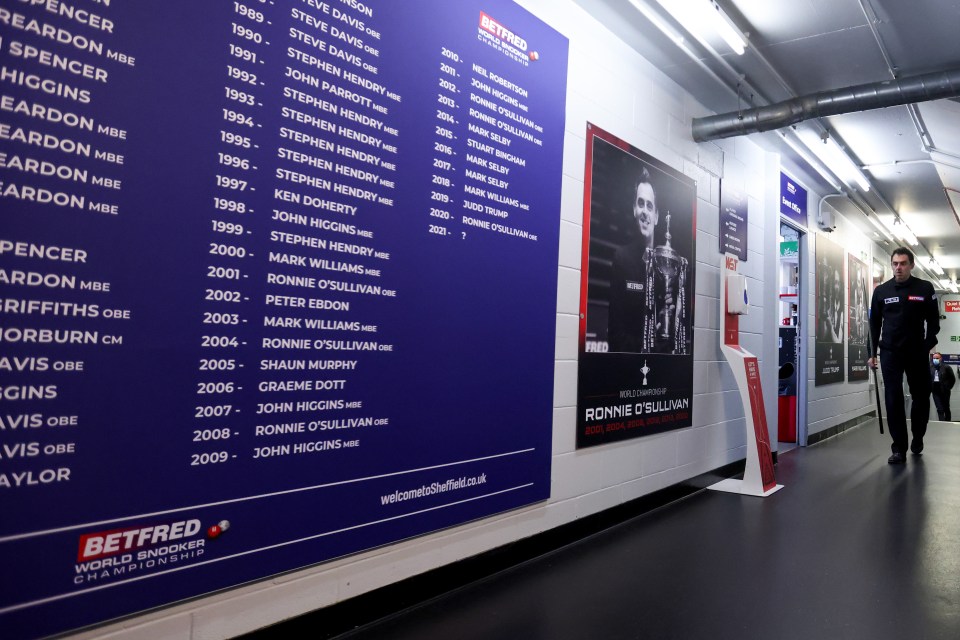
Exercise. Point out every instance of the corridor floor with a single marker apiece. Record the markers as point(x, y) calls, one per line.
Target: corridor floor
point(851, 547)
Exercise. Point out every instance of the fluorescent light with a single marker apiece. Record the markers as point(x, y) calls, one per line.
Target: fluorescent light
point(814, 162)
point(902, 231)
point(830, 153)
point(702, 17)
point(954, 287)
point(728, 31)
point(880, 226)
point(947, 283)
point(936, 267)
point(659, 22)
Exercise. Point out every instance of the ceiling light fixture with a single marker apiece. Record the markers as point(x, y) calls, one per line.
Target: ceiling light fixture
point(936, 267)
point(885, 228)
point(902, 231)
point(659, 23)
point(812, 161)
point(830, 153)
point(727, 30)
point(704, 17)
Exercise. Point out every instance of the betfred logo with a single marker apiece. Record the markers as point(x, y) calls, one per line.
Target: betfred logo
point(490, 25)
point(109, 543)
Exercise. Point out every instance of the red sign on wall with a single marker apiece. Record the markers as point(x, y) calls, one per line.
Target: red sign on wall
point(951, 305)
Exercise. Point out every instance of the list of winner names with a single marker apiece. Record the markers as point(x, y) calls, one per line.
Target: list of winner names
point(291, 265)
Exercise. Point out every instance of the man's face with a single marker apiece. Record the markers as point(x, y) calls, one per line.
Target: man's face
point(645, 210)
point(901, 267)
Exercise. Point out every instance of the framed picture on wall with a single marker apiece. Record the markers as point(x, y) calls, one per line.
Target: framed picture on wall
point(858, 331)
point(637, 292)
point(830, 312)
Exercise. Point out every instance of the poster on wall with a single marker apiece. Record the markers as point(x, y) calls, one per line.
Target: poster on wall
point(879, 273)
point(830, 312)
point(949, 336)
point(858, 330)
point(734, 221)
point(635, 374)
point(278, 285)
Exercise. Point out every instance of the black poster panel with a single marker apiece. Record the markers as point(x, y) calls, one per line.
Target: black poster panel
point(879, 273)
point(830, 312)
point(858, 331)
point(277, 285)
point(635, 374)
point(733, 221)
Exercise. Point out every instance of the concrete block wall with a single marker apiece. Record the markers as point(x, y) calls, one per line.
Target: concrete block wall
point(614, 88)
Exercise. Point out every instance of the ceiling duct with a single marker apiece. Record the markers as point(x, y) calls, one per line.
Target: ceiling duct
point(889, 93)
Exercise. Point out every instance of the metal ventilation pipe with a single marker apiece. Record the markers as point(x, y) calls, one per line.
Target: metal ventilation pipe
point(889, 93)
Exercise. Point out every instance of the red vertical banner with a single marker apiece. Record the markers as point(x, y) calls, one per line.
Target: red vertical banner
point(760, 423)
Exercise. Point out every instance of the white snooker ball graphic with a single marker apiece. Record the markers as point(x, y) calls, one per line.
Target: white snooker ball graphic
point(215, 530)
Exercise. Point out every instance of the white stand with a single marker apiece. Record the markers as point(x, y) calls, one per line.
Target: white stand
point(758, 476)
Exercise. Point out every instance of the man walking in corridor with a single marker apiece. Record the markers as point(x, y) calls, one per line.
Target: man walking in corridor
point(904, 322)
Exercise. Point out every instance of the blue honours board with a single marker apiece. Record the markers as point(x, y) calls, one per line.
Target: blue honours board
point(793, 200)
point(277, 284)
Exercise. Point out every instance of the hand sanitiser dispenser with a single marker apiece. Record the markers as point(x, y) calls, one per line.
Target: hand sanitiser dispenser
point(738, 302)
point(759, 477)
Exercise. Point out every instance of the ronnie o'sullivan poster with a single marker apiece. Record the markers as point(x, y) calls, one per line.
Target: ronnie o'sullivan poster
point(635, 375)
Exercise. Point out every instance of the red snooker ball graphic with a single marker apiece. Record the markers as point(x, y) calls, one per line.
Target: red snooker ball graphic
point(534, 56)
point(214, 531)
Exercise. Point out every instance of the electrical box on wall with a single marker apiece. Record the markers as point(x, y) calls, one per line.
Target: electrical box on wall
point(738, 303)
point(827, 220)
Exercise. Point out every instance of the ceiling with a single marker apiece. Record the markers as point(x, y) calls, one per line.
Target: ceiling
point(910, 154)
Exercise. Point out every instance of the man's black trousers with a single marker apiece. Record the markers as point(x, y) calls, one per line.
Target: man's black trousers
point(893, 365)
point(942, 401)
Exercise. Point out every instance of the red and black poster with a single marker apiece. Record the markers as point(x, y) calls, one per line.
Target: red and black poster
point(635, 374)
point(858, 331)
point(830, 313)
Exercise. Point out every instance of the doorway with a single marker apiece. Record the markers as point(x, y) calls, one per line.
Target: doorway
point(791, 387)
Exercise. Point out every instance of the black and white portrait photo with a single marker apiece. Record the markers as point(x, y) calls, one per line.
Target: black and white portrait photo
point(636, 324)
point(831, 314)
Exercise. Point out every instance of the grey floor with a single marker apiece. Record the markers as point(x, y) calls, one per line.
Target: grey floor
point(851, 547)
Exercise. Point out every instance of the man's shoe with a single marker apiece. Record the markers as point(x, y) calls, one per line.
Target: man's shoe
point(916, 446)
point(896, 458)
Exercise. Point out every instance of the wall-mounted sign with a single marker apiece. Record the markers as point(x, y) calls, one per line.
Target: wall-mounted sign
point(951, 306)
point(278, 285)
point(793, 200)
point(733, 222)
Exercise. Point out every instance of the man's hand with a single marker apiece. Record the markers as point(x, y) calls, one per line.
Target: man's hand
point(872, 363)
